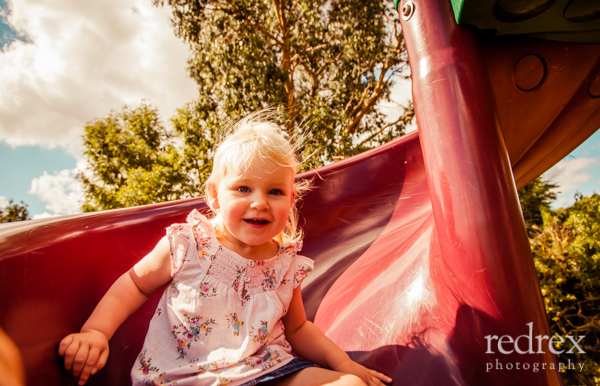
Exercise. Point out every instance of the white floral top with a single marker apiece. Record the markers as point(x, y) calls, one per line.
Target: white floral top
point(219, 320)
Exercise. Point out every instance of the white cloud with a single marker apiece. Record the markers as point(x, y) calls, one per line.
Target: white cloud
point(43, 215)
point(60, 191)
point(569, 174)
point(3, 202)
point(82, 59)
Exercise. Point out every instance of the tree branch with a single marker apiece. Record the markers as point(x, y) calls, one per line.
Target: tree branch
point(402, 117)
point(363, 108)
point(287, 64)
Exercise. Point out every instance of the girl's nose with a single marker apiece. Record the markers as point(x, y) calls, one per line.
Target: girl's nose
point(259, 203)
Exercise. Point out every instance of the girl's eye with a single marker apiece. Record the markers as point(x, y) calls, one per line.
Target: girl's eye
point(243, 189)
point(276, 192)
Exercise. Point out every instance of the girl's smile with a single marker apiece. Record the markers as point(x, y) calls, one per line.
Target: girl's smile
point(257, 223)
point(254, 208)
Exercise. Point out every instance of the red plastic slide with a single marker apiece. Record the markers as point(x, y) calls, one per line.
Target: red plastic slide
point(381, 288)
point(422, 264)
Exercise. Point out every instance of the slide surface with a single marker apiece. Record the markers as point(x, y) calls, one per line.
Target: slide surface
point(422, 264)
point(380, 288)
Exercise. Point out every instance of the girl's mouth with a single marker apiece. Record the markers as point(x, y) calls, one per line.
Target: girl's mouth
point(256, 221)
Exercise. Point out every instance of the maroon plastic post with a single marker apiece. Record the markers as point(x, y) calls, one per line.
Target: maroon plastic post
point(485, 255)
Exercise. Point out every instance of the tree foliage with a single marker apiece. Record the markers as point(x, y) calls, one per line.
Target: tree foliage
point(326, 63)
point(131, 161)
point(566, 252)
point(14, 212)
point(323, 65)
point(535, 197)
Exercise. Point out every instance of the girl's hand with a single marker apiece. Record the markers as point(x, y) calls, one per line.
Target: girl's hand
point(370, 377)
point(85, 353)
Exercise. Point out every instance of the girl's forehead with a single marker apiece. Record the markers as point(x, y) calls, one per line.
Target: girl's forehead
point(256, 164)
point(262, 169)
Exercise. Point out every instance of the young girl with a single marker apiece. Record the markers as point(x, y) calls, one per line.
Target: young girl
point(233, 311)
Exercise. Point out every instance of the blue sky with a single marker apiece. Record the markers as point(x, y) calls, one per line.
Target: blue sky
point(7, 34)
point(20, 165)
point(65, 63)
point(577, 172)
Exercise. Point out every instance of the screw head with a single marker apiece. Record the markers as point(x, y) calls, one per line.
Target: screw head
point(408, 10)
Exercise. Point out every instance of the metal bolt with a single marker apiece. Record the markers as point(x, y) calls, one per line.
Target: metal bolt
point(408, 10)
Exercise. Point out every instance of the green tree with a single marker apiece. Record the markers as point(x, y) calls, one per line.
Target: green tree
point(131, 161)
point(14, 212)
point(535, 197)
point(567, 257)
point(326, 63)
point(566, 253)
point(323, 66)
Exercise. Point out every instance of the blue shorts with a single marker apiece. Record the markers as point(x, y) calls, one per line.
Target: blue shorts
point(291, 367)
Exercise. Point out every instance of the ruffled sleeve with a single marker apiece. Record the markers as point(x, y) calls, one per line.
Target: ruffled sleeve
point(179, 241)
point(285, 263)
point(204, 239)
point(196, 238)
point(302, 267)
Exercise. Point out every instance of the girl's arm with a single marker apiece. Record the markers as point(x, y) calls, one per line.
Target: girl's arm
point(309, 342)
point(86, 352)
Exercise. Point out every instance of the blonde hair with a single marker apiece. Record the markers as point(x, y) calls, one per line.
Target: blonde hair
point(256, 136)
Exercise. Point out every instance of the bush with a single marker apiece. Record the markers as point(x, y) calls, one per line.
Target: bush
point(14, 212)
point(566, 251)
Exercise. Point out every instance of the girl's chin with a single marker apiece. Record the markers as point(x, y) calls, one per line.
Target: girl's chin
point(250, 236)
point(250, 242)
point(255, 241)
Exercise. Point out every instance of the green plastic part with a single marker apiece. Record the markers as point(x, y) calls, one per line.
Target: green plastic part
point(573, 21)
point(457, 6)
point(396, 4)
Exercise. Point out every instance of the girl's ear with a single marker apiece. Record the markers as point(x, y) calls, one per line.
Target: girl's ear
point(212, 194)
point(293, 195)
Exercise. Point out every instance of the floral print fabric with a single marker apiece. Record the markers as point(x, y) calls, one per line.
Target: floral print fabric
point(219, 321)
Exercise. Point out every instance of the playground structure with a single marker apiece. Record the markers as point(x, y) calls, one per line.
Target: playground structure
point(419, 245)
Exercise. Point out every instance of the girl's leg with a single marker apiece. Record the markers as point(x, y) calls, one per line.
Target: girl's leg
point(315, 376)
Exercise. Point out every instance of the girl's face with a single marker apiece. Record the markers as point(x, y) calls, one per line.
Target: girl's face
point(255, 207)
